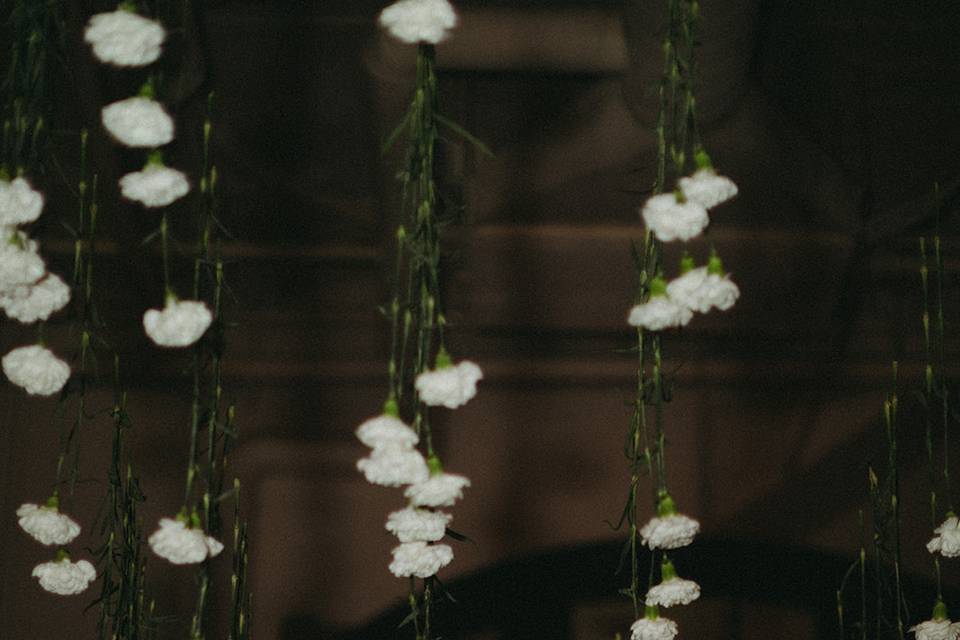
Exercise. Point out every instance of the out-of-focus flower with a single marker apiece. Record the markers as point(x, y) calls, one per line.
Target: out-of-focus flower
point(179, 324)
point(418, 525)
point(448, 385)
point(419, 559)
point(180, 544)
point(414, 21)
point(19, 202)
point(36, 369)
point(156, 185)
point(394, 466)
point(124, 38)
point(32, 302)
point(46, 524)
point(138, 122)
point(946, 542)
point(440, 490)
point(671, 217)
point(64, 577)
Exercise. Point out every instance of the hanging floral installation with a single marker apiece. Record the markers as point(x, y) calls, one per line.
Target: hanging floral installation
point(29, 293)
point(415, 388)
point(677, 214)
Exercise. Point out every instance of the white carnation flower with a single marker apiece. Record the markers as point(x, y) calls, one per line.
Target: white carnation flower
point(179, 324)
point(29, 303)
point(659, 313)
point(420, 559)
point(721, 292)
point(20, 264)
point(124, 38)
point(670, 219)
point(669, 532)
point(707, 188)
point(179, 544)
point(138, 122)
point(155, 186)
point(418, 525)
point(36, 369)
point(947, 540)
point(47, 525)
point(414, 21)
point(672, 592)
point(386, 430)
point(64, 577)
point(394, 466)
point(449, 386)
point(937, 630)
point(440, 490)
point(19, 202)
point(689, 290)
point(653, 629)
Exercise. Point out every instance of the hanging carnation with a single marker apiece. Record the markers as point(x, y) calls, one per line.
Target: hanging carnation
point(19, 202)
point(440, 490)
point(939, 627)
point(386, 430)
point(46, 524)
point(29, 303)
point(420, 559)
point(36, 369)
point(418, 525)
point(414, 21)
point(138, 122)
point(394, 466)
point(180, 544)
point(448, 385)
point(156, 185)
point(703, 288)
point(946, 542)
point(660, 311)
point(669, 216)
point(64, 577)
point(672, 590)
point(705, 186)
point(124, 38)
point(669, 532)
point(652, 627)
point(20, 264)
point(179, 324)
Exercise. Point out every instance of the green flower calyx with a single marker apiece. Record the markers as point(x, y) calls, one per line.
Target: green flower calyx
point(390, 407)
point(679, 195)
point(701, 159)
point(658, 287)
point(667, 571)
point(62, 554)
point(433, 463)
point(155, 157)
point(715, 265)
point(940, 611)
point(666, 506)
point(651, 612)
point(443, 360)
point(686, 263)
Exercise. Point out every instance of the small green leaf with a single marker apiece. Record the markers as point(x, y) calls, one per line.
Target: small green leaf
point(469, 137)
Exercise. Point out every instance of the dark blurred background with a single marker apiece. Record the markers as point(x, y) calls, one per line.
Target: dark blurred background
point(835, 120)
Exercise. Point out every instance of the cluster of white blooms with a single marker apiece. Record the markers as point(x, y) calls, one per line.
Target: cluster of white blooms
point(419, 21)
point(46, 525)
point(395, 461)
point(127, 39)
point(181, 542)
point(28, 292)
point(668, 530)
point(682, 215)
point(179, 324)
point(696, 290)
